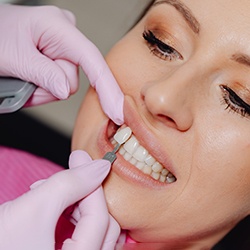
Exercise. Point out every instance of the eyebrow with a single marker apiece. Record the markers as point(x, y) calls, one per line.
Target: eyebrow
point(185, 12)
point(242, 59)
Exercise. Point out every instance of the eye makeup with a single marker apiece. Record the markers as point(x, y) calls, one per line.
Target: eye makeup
point(167, 35)
point(234, 102)
point(159, 48)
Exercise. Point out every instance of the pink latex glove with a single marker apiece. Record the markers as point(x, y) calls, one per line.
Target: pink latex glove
point(29, 221)
point(42, 45)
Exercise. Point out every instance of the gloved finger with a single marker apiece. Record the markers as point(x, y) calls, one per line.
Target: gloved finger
point(78, 157)
point(110, 95)
point(41, 96)
point(112, 234)
point(70, 16)
point(67, 187)
point(101, 78)
point(91, 228)
point(37, 183)
point(42, 206)
point(47, 74)
point(71, 72)
point(95, 67)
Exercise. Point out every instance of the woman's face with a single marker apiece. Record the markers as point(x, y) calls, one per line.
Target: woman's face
point(184, 71)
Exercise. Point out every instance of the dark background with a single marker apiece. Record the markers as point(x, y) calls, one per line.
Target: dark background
point(21, 131)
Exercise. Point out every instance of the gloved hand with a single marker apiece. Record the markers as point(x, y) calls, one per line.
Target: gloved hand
point(43, 46)
point(29, 221)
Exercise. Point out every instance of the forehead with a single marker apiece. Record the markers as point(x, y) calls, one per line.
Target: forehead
point(216, 9)
point(226, 17)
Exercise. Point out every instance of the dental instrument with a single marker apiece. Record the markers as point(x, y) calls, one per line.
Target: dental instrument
point(121, 137)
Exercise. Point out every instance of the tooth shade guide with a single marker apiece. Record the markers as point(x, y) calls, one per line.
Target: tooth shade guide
point(122, 135)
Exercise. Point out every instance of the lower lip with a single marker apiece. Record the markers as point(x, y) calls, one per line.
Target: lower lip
point(124, 169)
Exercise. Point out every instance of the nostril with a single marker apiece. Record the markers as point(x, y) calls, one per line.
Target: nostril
point(166, 120)
point(164, 117)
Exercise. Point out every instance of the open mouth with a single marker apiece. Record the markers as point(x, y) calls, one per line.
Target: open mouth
point(139, 157)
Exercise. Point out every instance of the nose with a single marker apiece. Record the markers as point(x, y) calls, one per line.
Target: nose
point(170, 101)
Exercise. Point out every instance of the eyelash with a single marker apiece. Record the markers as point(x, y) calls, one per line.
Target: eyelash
point(159, 48)
point(234, 102)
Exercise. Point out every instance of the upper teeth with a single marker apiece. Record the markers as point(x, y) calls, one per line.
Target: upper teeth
point(138, 156)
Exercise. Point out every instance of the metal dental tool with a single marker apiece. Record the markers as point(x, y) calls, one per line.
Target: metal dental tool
point(120, 137)
point(111, 156)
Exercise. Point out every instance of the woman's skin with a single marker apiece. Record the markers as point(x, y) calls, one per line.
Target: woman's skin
point(184, 70)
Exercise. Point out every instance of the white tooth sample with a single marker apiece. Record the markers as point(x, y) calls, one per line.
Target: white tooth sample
point(150, 160)
point(123, 135)
point(157, 167)
point(131, 145)
point(140, 154)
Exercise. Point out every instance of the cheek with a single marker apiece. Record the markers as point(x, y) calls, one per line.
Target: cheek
point(125, 67)
point(221, 169)
point(132, 64)
point(216, 193)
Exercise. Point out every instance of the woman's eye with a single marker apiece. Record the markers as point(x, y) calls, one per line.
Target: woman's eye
point(234, 102)
point(159, 48)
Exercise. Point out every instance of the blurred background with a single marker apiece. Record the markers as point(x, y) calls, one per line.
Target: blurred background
point(46, 130)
